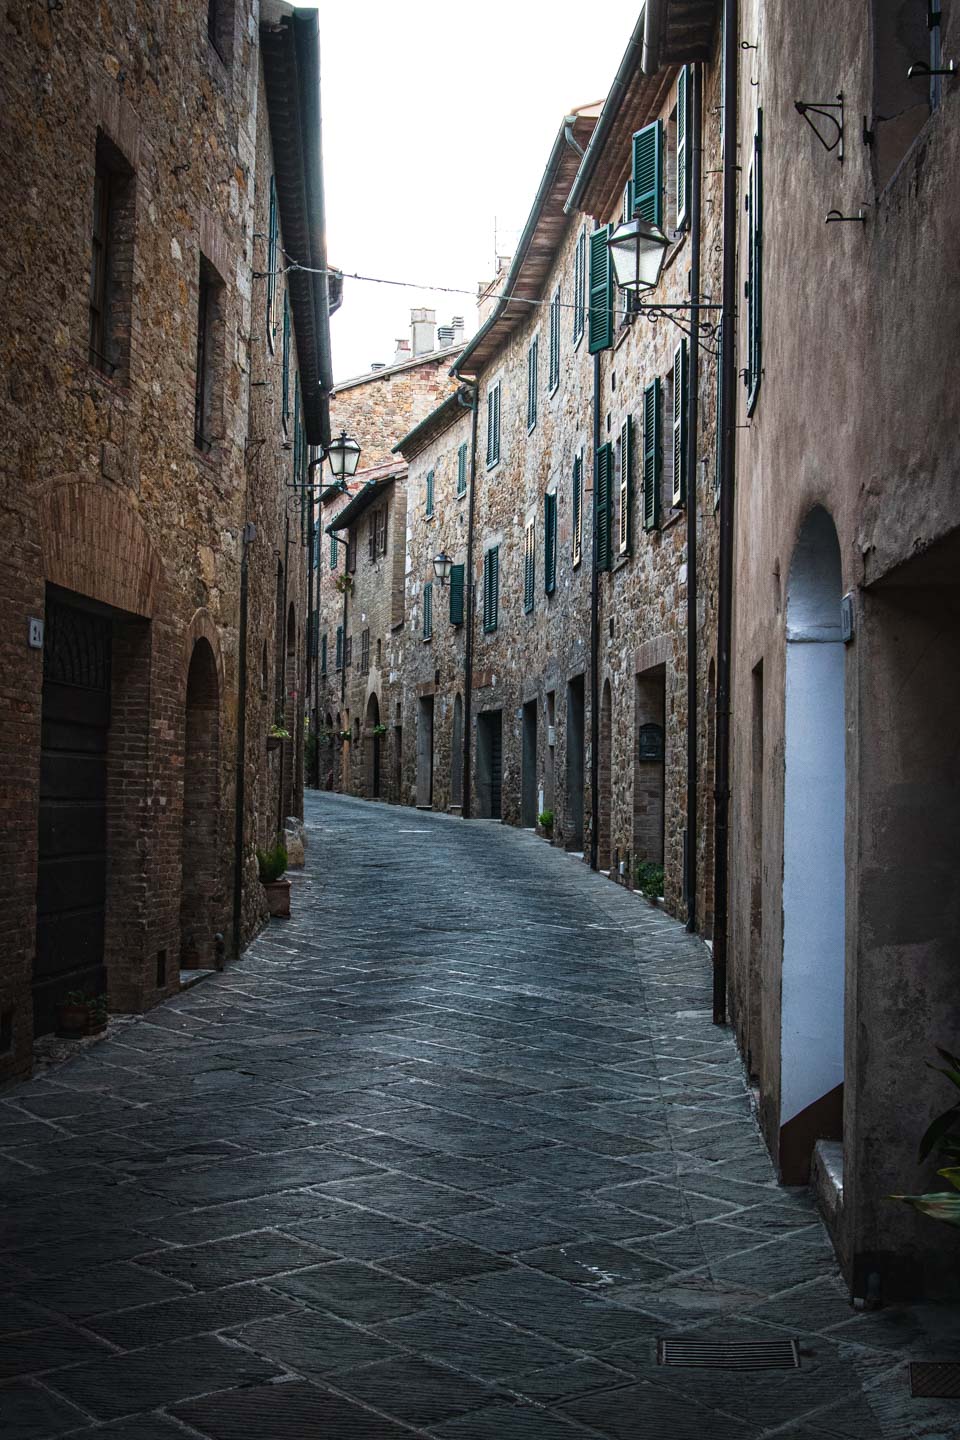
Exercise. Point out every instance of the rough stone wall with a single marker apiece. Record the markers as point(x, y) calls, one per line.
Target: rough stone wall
point(104, 492)
point(380, 408)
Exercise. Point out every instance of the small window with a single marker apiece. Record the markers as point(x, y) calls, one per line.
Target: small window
point(111, 268)
point(429, 505)
point(550, 542)
point(491, 589)
point(533, 365)
point(579, 282)
point(379, 652)
point(493, 425)
point(220, 27)
point(428, 610)
point(207, 393)
point(529, 567)
point(462, 470)
point(372, 536)
point(555, 340)
point(382, 530)
point(577, 509)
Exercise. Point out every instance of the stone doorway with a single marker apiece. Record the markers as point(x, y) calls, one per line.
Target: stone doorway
point(425, 752)
point(371, 742)
point(490, 764)
point(201, 809)
point(573, 809)
point(528, 796)
point(649, 767)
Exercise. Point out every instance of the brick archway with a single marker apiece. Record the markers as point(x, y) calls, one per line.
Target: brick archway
point(199, 892)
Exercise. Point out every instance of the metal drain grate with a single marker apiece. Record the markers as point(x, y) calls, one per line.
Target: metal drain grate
point(935, 1380)
point(730, 1355)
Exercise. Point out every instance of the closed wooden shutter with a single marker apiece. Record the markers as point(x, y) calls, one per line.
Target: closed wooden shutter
point(491, 588)
point(603, 486)
point(680, 371)
point(493, 425)
point(428, 610)
point(333, 552)
point(429, 492)
point(754, 285)
point(719, 421)
point(372, 538)
point(457, 573)
point(601, 292)
point(286, 359)
point(626, 486)
point(648, 172)
point(555, 339)
point(549, 543)
point(462, 469)
point(579, 278)
point(339, 646)
point(651, 455)
point(683, 128)
point(323, 655)
point(273, 238)
point(577, 508)
point(533, 358)
point(529, 567)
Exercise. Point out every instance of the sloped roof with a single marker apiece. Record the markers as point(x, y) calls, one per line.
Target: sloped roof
point(373, 483)
point(447, 413)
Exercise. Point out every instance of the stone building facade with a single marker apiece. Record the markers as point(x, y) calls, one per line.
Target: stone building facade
point(134, 463)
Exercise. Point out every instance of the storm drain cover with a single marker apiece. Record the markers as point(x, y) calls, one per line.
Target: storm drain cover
point(935, 1380)
point(729, 1355)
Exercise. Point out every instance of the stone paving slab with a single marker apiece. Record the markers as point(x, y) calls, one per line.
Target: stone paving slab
point(443, 1155)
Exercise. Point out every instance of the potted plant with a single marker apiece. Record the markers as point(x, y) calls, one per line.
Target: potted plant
point(272, 863)
point(942, 1134)
point(344, 584)
point(98, 1014)
point(79, 1014)
point(276, 735)
point(344, 735)
point(545, 821)
point(379, 730)
point(649, 881)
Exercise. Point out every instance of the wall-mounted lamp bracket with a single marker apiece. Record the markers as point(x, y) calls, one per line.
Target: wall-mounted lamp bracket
point(829, 112)
point(921, 70)
point(834, 217)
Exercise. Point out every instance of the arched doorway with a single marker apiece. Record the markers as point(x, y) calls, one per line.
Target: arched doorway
point(201, 810)
point(606, 778)
point(812, 980)
point(371, 741)
point(456, 754)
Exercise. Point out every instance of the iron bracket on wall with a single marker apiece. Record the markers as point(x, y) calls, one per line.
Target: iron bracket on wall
point(833, 217)
point(829, 111)
point(921, 70)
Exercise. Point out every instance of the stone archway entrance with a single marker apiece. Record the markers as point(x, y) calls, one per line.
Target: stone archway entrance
point(199, 891)
point(371, 742)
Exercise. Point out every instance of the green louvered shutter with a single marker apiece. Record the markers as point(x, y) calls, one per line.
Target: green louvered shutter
point(603, 486)
point(555, 340)
point(457, 573)
point(626, 487)
point(579, 276)
point(339, 647)
point(651, 455)
point(601, 292)
point(529, 568)
point(680, 371)
point(577, 536)
point(718, 438)
point(429, 506)
point(462, 469)
point(491, 589)
point(286, 358)
point(683, 147)
point(323, 654)
point(428, 610)
point(333, 552)
point(648, 172)
point(533, 366)
point(493, 425)
point(549, 543)
point(273, 243)
point(754, 285)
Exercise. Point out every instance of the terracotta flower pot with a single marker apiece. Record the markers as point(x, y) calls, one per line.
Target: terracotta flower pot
point(278, 898)
point(72, 1021)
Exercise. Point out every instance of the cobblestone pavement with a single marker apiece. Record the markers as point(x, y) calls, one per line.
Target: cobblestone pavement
point(443, 1155)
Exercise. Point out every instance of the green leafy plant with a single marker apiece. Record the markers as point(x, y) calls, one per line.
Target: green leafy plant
point(344, 734)
point(648, 878)
point(379, 730)
point(279, 732)
point(344, 583)
point(545, 819)
point(272, 863)
point(942, 1135)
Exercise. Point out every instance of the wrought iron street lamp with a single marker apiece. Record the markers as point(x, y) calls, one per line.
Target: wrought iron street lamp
point(442, 565)
point(638, 248)
point(343, 456)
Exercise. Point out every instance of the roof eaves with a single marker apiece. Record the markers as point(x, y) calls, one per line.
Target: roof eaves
point(361, 501)
point(370, 376)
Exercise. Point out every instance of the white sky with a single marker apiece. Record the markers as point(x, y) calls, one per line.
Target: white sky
point(437, 124)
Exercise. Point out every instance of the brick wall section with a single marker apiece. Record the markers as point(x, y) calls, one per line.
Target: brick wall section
point(380, 408)
point(102, 490)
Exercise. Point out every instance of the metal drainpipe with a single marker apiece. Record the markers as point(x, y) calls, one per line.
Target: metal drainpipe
point(312, 639)
point(595, 642)
point(283, 668)
point(241, 768)
point(466, 799)
point(693, 435)
point(728, 379)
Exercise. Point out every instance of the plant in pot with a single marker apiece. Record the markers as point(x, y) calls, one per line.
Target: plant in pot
point(942, 1135)
point(344, 584)
point(276, 735)
point(272, 863)
point(545, 821)
point(80, 1014)
point(649, 880)
point(379, 730)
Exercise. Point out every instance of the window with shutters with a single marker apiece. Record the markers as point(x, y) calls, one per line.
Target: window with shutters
point(555, 340)
point(529, 567)
point(754, 281)
point(273, 257)
point(462, 470)
point(679, 424)
point(428, 610)
point(600, 322)
point(365, 652)
point(208, 388)
point(682, 153)
point(323, 654)
point(285, 405)
point(382, 530)
point(111, 268)
point(579, 287)
point(576, 527)
point(625, 489)
point(603, 506)
point(491, 589)
point(647, 176)
point(493, 425)
point(338, 662)
point(333, 552)
point(550, 542)
point(457, 573)
point(428, 508)
point(533, 366)
point(651, 455)
point(372, 536)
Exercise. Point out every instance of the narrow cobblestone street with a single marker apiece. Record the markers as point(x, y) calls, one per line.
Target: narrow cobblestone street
point(444, 1154)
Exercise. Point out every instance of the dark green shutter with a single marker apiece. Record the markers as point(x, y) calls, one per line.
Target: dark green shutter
point(493, 425)
point(462, 469)
point(601, 292)
point(579, 276)
point(491, 588)
point(286, 358)
point(680, 373)
point(626, 486)
point(333, 552)
point(683, 147)
point(457, 573)
point(323, 654)
point(577, 535)
point(718, 438)
point(533, 356)
point(428, 610)
point(529, 568)
point(647, 172)
point(602, 488)
point(273, 237)
point(339, 647)
point(549, 543)
point(555, 340)
point(754, 286)
point(429, 492)
point(651, 455)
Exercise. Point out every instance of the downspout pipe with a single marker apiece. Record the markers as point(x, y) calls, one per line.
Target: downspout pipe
point(313, 637)
point(653, 17)
point(468, 396)
point(595, 642)
point(283, 669)
point(693, 435)
point(728, 383)
point(249, 533)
